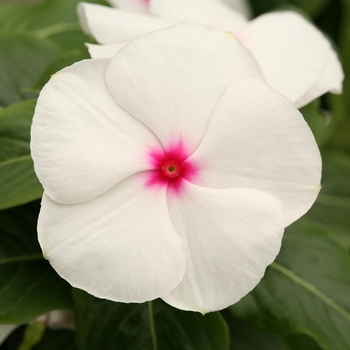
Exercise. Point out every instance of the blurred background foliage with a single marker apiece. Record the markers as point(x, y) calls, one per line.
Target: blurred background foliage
point(303, 301)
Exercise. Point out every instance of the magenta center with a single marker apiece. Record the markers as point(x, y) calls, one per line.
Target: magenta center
point(171, 169)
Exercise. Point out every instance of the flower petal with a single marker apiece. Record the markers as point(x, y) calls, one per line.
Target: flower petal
point(258, 139)
point(213, 13)
point(175, 84)
point(112, 26)
point(82, 142)
point(331, 80)
point(131, 5)
point(230, 237)
point(120, 246)
point(104, 51)
point(292, 52)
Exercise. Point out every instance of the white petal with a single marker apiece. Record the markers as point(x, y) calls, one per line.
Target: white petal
point(111, 26)
point(6, 330)
point(131, 5)
point(241, 6)
point(331, 80)
point(103, 51)
point(83, 143)
point(292, 52)
point(175, 84)
point(120, 246)
point(258, 139)
point(230, 237)
point(213, 13)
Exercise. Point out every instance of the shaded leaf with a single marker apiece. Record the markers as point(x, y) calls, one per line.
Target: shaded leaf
point(245, 336)
point(23, 59)
point(29, 287)
point(57, 340)
point(305, 291)
point(319, 121)
point(18, 182)
point(64, 61)
point(102, 324)
point(332, 208)
point(311, 7)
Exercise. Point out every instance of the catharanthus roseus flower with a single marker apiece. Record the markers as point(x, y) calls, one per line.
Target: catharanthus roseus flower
point(144, 5)
point(296, 58)
point(170, 170)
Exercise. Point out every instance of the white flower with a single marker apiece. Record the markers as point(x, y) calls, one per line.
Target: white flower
point(170, 170)
point(145, 5)
point(296, 58)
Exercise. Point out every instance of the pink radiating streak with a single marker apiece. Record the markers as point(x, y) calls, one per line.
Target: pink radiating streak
point(145, 3)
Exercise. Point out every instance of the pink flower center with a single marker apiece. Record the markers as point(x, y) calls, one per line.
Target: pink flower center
point(170, 167)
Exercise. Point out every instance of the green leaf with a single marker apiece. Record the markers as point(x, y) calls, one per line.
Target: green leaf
point(18, 182)
point(50, 15)
point(23, 59)
point(342, 103)
point(29, 287)
point(332, 208)
point(340, 139)
point(62, 62)
point(305, 291)
point(57, 340)
point(311, 7)
point(102, 324)
point(245, 336)
point(319, 121)
point(51, 19)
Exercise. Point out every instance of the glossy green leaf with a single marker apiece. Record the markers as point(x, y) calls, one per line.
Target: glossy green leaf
point(332, 208)
point(45, 15)
point(29, 287)
point(305, 291)
point(18, 182)
point(53, 19)
point(23, 59)
point(319, 121)
point(245, 336)
point(62, 62)
point(102, 324)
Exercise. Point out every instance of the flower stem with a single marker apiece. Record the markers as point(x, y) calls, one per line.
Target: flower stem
point(152, 327)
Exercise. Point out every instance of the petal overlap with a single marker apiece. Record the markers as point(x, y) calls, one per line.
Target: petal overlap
point(174, 88)
point(256, 139)
point(292, 52)
point(213, 13)
point(230, 236)
point(121, 245)
point(296, 58)
point(82, 142)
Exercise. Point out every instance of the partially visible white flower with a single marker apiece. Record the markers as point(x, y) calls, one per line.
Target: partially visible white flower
point(170, 170)
point(241, 6)
point(57, 319)
point(296, 58)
